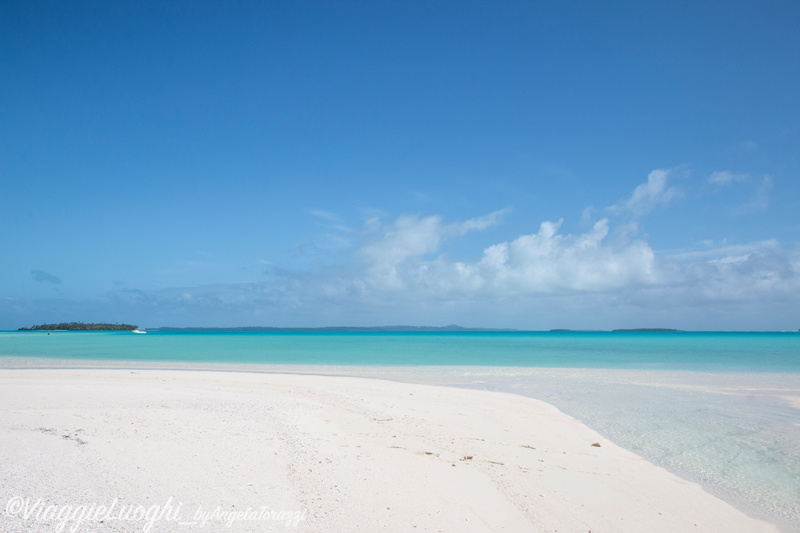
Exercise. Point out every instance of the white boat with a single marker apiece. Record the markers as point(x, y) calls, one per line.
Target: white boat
point(137, 330)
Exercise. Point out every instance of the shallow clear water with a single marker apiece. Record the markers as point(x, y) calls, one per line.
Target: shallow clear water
point(722, 409)
point(735, 433)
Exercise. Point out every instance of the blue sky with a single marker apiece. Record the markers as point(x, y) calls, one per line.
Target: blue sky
point(531, 165)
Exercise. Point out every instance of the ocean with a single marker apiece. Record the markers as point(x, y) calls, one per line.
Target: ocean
point(720, 409)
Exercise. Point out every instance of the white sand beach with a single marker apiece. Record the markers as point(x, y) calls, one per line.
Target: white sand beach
point(166, 450)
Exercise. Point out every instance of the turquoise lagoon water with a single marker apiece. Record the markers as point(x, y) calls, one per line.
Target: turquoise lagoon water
point(721, 409)
point(741, 352)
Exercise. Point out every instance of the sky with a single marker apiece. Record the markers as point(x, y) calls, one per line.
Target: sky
point(530, 165)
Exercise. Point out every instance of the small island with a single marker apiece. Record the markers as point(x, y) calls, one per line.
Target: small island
point(647, 329)
point(80, 326)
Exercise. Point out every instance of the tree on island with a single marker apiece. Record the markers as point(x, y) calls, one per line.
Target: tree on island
point(80, 326)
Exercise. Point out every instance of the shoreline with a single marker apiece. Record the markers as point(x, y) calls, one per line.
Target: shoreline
point(572, 480)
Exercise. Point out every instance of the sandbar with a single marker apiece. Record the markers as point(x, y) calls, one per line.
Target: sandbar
point(237, 451)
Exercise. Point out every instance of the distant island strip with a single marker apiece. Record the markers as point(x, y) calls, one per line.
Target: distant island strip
point(646, 329)
point(102, 326)
point(451, 327)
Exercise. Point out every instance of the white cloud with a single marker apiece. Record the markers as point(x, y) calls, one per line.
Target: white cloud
point(547, 262)
point(330, 220)
point(586, 215)
point(410, 236)
point(714, 253)
point(597, 278)
point(725, 177)
point(325, 215)
point(481, 223)
point(756, 272)
point(543, 262)
point(406, 262)
point(759, 200)
point(649, 195)
point(760, 188)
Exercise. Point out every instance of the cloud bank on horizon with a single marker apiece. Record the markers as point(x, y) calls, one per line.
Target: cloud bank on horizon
point(399, 272)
